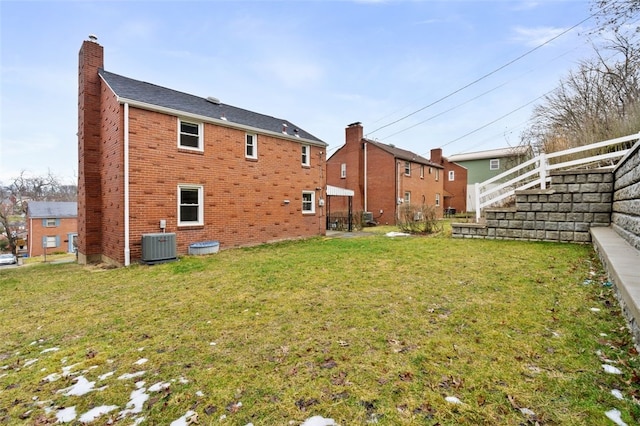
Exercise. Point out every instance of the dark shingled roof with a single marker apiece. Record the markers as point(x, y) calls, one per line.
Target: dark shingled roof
point(141, 91)
point(403, 154)
point(52, 209)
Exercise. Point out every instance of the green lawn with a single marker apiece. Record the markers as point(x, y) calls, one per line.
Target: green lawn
point(361, 330)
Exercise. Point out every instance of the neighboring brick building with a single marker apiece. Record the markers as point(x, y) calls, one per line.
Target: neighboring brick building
point(51, 226)
point(153, 160)
point(455, 182)
point(383, 177)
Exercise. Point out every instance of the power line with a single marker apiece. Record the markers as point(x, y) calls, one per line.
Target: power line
point(486, 75)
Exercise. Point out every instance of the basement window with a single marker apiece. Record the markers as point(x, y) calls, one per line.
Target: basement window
point(190, 135)
point(190, 205)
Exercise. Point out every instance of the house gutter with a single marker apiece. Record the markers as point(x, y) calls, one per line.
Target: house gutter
point(365, 177)
point(127, 249)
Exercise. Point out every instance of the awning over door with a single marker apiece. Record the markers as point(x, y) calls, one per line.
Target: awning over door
point(340, 192)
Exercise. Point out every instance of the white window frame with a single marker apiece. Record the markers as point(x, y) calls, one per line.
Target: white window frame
point(494, 164)
point(421, 171)
point(309, 203)
point(407, 168)
point(452, 175)
point(343, 170)
point(51, 241)
point(253, 144)
point(437, 174)
point(407, 197)
point(200, 135)
point(437, 199)
point(51, 222)
point(200, 205)
point(305, 155)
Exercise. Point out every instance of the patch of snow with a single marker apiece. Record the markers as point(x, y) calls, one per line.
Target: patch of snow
point(140, 384)
point(141, 361)
point(199, 393)
point(105, 375)
point(527, 412)
point(183, 380)
point(615, 416)
point(30, 362)
point(595, 309)
point(603, 334)
point(131, 375)
point(138, 398)
point(52, 377)
point(212, 344)
point(50, 350)
point(66, 415)
point(319, 421)
point(182, 421)
point(453, 400)
point(138, 421)
point(66, 371)
point(81, 387)
point(397, 234)
point(3, 375)
point(159, 386)
point(617, 393)
point(140, 349)
point(96, 412)
point(611, 369)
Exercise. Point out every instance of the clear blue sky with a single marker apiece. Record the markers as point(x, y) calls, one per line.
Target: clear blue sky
point(318, 64)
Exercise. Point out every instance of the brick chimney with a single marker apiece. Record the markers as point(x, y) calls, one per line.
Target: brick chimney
point(91, 58)
point(436, 155)
point(354, 133)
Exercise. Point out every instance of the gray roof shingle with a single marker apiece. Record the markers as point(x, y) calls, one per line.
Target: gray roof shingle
point(403, 154)
point(52, 209)
point(141, 91)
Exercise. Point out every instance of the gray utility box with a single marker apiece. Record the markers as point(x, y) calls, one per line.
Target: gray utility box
point(159, 247)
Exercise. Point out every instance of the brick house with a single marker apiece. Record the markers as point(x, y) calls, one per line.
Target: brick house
point(51, 226)
point(154, 160)
point(454, 182)
point(383, 177)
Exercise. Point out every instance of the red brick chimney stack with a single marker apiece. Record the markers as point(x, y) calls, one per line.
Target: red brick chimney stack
point(91, 58)
point(354, 133)
point(436, 155)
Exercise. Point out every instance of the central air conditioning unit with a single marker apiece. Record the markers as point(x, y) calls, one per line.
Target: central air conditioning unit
point(367, 217)
point(157, 248)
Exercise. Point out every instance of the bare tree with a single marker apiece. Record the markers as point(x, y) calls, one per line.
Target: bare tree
point(615, 14)
point(15, 197)
point(599, 100)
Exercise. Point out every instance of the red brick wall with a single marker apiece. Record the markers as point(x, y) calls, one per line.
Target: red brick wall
point(36, 231)
point(457, 187)
point(243, 199)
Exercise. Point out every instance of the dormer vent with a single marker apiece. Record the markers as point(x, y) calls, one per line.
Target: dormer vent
point(296, 133)
point(284, 128)
point(213, 100)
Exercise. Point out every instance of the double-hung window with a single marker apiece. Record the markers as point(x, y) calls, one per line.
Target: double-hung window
point(452, 175)
point(308, 202)
point(251, 146)
point(190, 135)
point(190, 205)
point(422, 171)
point(407, 197)
point(407, 168)
point(306, 154)
point(50, 241)
point(437, 200)
point(494, 164)
point(50, 222)
point(343, 170)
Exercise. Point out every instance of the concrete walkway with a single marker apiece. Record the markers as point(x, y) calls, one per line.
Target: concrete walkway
point(622, 263)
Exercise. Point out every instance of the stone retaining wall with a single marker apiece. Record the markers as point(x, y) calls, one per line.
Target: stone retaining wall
point(576, 200)
point(625, 215)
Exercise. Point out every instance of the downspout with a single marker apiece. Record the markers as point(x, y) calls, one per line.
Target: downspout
point(365, 178)
point(127, 249)
point(30, 237)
